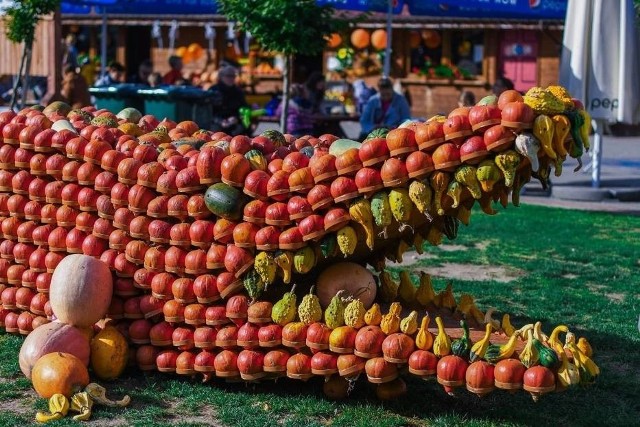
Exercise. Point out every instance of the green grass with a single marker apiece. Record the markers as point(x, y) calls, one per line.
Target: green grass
point(578, 268)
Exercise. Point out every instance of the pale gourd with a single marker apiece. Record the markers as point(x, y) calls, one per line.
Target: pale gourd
point(81, 289)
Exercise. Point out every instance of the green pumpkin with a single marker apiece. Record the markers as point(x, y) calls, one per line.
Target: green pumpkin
point(196, 143)
point(225, 201)
point(462, 346)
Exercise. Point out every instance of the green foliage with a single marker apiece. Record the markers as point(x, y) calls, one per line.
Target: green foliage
point(287, 26)
point(23, 16)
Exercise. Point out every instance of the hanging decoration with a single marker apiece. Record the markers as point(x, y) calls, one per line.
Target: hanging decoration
point(210, 35)
point(334, 40)
point(156, 33)
point(360, 38)
point(173, 33)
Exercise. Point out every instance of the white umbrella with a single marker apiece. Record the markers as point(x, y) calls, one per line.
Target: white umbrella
point(600, 64)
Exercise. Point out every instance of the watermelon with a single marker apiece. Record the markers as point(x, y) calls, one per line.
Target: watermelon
point(378, 133)
point(225, 201)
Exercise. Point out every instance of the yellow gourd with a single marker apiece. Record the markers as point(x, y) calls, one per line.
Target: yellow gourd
point(373, 316)
point(266, 267)
point(467, 176)
point(442, 342)
point(347, 240)
point(284, 260)
point(81, 403)
point(388, 288)
point(425, 293)
point(424, 338)
point(360, 212)
point(390, 323)
point(478, 350)
point(439, 182)
point(409, 325)
point(454, 190)
point(406, 290)
point(401, 206)
point(58, 408)
point(421, 195)
point(543, 128)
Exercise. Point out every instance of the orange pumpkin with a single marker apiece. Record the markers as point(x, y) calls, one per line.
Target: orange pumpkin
point(380, 371)
point(334, 40)
point(379, 39)
point(422, 363)
point(60, 373)
point(397, 348)
point(360, 38)
point(539, 380)
point(299, 367)
point(226, 364)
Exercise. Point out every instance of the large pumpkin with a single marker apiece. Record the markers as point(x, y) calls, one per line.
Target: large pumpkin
point(49, 338)
point(59, 373)
point(109, 354)
point(80, 292)
point(356, 280)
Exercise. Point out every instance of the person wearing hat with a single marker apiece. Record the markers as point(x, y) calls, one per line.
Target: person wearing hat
point(387, 109)
point(228, 98)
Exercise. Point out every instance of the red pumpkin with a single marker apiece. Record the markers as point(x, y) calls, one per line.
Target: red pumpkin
point(215, 315)
point(200, 234)
point(238, 260)
point(197, 208)
point(517, 115)
point(324, 363)
point(278, 186)
point(294, 334)
point(158, 207)
point(323, 167)
point(215, 256)
point(509, 374)
point(275, 361)
point(451, 372)
point(335, 219)
point(139, 331)
point(299, 367)
point(248, 336)
point(368, 342)
point(394, 172)
point(380, 371)
point(166, 360)
point(430, 135)
point(446, 157)
point(373, 152)
point(401, 141)
point(173, 311)
point(318, 336)
point(267, 238)
point(146, 357)
point(422, 363)
point(277, 214)
point(204, 337)
point(161, 334)
point(255, 211)
point(368, 180)
point(270, 335)
point(250, 364)
point(350, 365)
point(259, 312)
point(539, 380)
point(479, 378)
point(182, 290)
point(226, 364)
point(499, 138)
point(397, 348)
point(419, 164)
point(473, 150)
point(227, 336)
point(182, 338)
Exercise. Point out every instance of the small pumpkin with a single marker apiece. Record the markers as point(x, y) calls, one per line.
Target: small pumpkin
point(451, 372)
point(480, 378)
point(59, 372)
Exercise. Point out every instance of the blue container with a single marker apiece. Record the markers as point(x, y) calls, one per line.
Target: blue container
point(118, 97)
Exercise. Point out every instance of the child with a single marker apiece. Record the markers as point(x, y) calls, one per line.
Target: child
point(299, 120)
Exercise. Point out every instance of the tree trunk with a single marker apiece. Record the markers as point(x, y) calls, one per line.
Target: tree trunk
point(14, 94)
point(25, 78)
point(285, 93)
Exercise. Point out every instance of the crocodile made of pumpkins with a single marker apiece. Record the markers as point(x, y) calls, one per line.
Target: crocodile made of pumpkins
point(199, 229)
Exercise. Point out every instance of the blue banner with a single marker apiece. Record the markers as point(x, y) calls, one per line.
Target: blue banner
point(363, 5)
point(509, 9)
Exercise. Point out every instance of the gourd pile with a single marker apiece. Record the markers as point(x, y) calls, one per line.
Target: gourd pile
point(203, 232)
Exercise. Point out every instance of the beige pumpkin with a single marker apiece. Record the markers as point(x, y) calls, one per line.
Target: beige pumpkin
point(80, 291)
point(354, 279)
point(109, 354)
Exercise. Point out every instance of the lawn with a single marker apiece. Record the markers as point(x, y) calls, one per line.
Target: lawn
point(559, 266)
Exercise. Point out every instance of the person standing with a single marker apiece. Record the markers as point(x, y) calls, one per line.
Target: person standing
point(299, 120)
point(175, 74)
point(227, 99)
point(74, 88)
point(315, 87)
point(142, 76)
point(387, 108)
point(114, 76)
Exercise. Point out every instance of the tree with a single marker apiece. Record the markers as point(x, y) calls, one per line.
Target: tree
point(21, 19)
point(286, 26)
